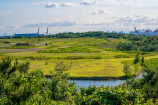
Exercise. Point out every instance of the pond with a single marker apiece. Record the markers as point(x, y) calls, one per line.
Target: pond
point(86, 83)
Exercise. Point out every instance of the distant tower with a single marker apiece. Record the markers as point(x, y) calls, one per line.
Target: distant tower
point(156, 32)
point(136, 32)
point(47, 31)
point(38, 30)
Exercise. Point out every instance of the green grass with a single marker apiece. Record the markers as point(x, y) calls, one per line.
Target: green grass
point(153, 61)
point(18, 47)
point(89, 57)
point(50, 56)
point(76, 49)
point(31, 41)
point(83, 68)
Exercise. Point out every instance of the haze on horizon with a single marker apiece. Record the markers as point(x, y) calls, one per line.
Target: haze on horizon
point(25, 16)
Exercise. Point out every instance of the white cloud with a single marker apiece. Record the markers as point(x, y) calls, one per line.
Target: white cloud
point(108, 3)
point(51, 5)
point(67, 4)
point(121, 3)
point(55, 4)
point(54, 24)
point(139, 21)
point(102, 11)
point(87, 3)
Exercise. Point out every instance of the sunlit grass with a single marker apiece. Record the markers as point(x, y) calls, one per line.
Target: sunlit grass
point(105, 63)
point(83, 68)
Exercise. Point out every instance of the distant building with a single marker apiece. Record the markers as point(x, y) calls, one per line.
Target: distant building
point(156, 32)
point(28, 34)
point(147, 32)
point(31, 34)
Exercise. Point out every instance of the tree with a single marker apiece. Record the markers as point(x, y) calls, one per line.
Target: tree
point(137, 58)
point(128, 70)
point(136, 68)
point(142, 61)
point(18, 86)
point(60, 87)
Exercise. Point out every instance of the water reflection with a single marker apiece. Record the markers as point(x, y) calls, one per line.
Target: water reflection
point(86, 83)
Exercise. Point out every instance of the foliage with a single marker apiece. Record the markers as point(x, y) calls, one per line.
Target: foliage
point(148, 83)
point(22, 44)
point(122, 56)
point(61, 89)
point(128, 69)
point(76, 49)
point(108, 96)
point(137, 58)
point(18, 86)
point(149, 44)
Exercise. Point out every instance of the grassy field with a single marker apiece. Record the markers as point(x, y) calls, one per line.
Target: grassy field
point(87, 57)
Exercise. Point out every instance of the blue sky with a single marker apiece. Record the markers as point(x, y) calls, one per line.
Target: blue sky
point(25, 16)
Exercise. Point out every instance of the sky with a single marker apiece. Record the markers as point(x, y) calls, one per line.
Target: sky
point(26, 16)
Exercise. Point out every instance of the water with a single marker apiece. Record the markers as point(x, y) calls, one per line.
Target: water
point(86, 83)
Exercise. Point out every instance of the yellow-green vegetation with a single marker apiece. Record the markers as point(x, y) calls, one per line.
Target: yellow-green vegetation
point(86, 57)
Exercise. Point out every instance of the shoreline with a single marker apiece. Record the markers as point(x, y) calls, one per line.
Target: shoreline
point(100, 78)
point(94, 78)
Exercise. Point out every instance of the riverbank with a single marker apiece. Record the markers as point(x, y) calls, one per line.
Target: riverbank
point(94, 78)
point(100, 78)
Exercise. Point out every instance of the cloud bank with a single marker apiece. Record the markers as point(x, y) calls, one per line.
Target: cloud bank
point(54, 24)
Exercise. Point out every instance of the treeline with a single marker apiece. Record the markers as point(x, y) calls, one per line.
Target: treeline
point(97, 34)
point(18, 86)
point(149, 44)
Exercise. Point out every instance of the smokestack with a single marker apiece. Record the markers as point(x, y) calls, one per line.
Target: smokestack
point(38, 30)
point(135, 29)
point(47, 31)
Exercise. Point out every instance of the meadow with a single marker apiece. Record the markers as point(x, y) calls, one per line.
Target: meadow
point(85, 57)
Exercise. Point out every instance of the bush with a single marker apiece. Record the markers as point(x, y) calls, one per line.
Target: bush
point(122, 56)
point(77, 49)
point(22, 44)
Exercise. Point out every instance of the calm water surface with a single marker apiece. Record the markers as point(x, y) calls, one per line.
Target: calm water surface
point(86, 83)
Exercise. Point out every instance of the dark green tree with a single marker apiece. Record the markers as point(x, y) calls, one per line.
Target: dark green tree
point(142, 61)
point(137, 58)
point(60, 87)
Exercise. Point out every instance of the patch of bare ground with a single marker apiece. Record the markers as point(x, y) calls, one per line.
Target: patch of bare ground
point(108, 47)
point(19, 50)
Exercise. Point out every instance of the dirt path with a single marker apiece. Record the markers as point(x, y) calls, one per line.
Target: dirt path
point(18, 50)
point(5, 45)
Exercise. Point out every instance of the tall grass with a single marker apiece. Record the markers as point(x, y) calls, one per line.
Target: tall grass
point(75, 49)
point(18, 47)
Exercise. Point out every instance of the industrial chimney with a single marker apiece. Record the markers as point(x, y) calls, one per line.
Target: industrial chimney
point(47, 31)
point(38, 30)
